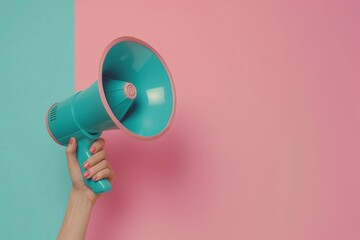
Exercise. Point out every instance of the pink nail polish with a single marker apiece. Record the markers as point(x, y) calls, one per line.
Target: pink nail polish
point(86, 165)
point(92, 149)
point(86, 174)
point(95, 178)
point(71, 140)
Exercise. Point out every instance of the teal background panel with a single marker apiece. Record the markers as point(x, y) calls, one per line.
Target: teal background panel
point(36, 69)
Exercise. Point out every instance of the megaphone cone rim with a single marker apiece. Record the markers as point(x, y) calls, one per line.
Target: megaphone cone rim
point(102, 93)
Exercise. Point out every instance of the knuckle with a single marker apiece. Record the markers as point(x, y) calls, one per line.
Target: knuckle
point(90, 160)
point(92, 170)
point(109, 166)
point(102, 154)
point(68, 151)
point(105, 163)
point(106, 173)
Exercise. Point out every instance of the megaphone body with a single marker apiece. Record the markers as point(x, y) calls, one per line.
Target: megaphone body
point(134, 92)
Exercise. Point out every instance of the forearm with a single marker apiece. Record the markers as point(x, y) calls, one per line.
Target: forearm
point(76, 218)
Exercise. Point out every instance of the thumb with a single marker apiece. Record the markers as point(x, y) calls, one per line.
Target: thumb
point(74, 168)
point(71, 153)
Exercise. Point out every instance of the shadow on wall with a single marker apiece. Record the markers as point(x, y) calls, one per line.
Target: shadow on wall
point(149, 170)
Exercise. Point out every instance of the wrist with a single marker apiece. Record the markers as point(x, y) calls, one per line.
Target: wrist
point(84, 195)
point(77, 215)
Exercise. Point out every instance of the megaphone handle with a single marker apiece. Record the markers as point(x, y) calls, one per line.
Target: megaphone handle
point(83, 153)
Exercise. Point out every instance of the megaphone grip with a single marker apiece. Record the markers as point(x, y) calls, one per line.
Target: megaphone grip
point(83, 153)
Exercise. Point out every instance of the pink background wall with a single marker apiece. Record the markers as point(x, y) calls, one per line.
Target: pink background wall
point(265, 143)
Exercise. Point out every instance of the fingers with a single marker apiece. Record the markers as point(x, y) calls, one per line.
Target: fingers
point(99, 171)
point(95, 159)
point(93, 170)
point(105, 173)
point(97, 146)
point(97, 168)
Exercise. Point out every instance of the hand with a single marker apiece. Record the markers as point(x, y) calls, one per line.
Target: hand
point(97, 168)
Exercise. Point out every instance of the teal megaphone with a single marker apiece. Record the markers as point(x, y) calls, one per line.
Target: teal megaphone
point(134, 92)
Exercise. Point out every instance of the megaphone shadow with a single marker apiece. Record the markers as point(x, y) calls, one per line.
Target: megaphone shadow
point(142, 168)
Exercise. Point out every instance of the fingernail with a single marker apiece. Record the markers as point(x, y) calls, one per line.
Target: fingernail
point(86, 165)
point(92, 149)
point(86, 174)
point(95, 178)
point(71, 140)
